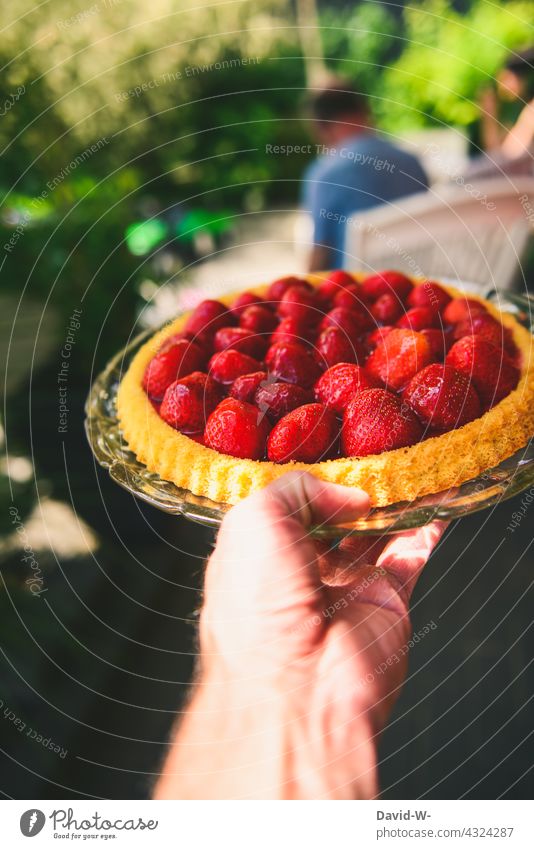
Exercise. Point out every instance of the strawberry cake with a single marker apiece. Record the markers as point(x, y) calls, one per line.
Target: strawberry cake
point(403, 387)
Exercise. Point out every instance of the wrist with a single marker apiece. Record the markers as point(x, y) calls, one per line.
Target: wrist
point(272, 740)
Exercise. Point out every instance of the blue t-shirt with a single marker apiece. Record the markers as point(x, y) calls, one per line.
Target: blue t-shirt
point(356, 175)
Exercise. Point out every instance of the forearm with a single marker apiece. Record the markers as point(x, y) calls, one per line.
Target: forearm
point(491, 133)
point(254, 742)
point(225, 747)
point(519, 139)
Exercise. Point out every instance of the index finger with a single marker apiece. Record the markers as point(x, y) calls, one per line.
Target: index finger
point(406, 554)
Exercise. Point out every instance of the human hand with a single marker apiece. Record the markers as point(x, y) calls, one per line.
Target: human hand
point(303, 646)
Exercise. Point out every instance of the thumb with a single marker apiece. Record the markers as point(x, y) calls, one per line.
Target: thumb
point(310, 501)
point(269, 530)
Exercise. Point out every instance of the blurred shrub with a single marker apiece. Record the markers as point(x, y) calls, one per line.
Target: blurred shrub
point(448, 57)
point(181, 101)
point(359, 42)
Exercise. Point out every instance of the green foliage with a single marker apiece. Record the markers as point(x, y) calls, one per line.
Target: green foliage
point(448, 58)
point(358, 42)
point(181, 101)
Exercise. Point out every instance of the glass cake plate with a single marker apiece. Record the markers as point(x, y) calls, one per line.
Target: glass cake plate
point(511, 477)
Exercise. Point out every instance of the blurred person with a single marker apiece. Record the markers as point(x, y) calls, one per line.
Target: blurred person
point(506, 122)
point(356, 169)
point(303, 650)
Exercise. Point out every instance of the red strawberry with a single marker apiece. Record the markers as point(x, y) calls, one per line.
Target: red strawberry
point(487, 327)
point(237, 429)
point(293, 363)
point(258, 319)
point(307, 434)
point(291, 330)
point(208, 317)
point(277, 399)
point(188, 402)
point(401, 355)
point(440, 340)
point(377, 336)
point(340, 383)
point(442, 397)
point(377, 421)
point(300, 303)
point(169, 365)
point(429, 294)
point(334, 283)
point(489, 368)
point(244, 300)
point(460, 309)
point(387, 309)
point(419, 318)
point(240, 340)
point(350, 298)
point(226, 366)
point(352, 322)
point(244, 387)
point(334, 346)
point(203, 340)
point(386, 282)
point(277, 289)
point(197, 437)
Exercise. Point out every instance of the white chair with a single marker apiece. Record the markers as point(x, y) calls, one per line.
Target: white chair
point(476, 232)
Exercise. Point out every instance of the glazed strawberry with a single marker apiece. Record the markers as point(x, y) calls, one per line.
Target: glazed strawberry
point(377, 420)
point(440, 340)
point(460, 309)
point(489, 368)
point(429, 294)
point(244, 387)
point(377, 336)
point(334, 346)
point(188, 402)
point(244, 300)
point(419, 318)
point(277, 289)
point(169, 365)
point(334, 283)
point(401, 355)
point(352, 322)
point(241, 340)
point(203, 340)
point(226, 366)
point(386, 282)
point(442, 397)
point(487, 327)
point(350, 298)
point(235, 428)
point(300, 303)
point(258, 319)
point(197, 437)
point(340, 383)
point(208, 317)
point(293, 363)
point(387, 309)
point(275, 400)
point(291, 330)
point(307, 435)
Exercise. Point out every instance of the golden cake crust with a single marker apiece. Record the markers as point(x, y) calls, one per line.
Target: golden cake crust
point(403, 474)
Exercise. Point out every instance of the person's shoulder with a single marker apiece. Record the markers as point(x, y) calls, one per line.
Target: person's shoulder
point(395, 150)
